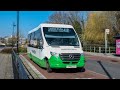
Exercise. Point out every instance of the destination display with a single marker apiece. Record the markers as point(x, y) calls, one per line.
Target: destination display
point(51, 29)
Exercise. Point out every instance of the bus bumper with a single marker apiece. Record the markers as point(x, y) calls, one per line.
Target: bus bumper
point(56, 63)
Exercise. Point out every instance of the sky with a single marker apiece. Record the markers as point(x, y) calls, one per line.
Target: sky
point(27, 21)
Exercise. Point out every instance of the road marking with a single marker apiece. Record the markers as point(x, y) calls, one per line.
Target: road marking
point(34, 69)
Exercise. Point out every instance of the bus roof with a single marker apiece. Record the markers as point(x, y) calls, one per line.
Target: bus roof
point(51, 25)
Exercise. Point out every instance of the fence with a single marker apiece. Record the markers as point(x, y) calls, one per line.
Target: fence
point(18, 68)
point(99, 49)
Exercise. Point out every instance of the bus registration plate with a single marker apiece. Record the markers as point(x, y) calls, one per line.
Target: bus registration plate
point(71, 66)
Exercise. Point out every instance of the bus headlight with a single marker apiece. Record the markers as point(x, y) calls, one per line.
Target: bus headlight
point(54, 54)
point(82, 54)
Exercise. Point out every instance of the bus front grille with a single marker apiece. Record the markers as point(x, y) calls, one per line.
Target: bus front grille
point(70, 56)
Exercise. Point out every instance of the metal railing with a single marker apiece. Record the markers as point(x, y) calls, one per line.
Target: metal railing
point(99, 49)
point(18, 68)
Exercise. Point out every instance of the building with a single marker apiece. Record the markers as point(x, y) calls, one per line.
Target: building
point(22, 41)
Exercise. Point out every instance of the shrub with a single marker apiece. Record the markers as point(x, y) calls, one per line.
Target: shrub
point(8, 50)
point(22, 50)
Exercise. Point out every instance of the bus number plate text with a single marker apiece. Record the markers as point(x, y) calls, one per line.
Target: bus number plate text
point(71, 66)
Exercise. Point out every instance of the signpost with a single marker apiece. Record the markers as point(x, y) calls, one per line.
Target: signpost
point(13, 35)
point(106, 32)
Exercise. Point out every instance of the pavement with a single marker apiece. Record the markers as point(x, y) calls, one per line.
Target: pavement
point(108, 55)
point(6, 69)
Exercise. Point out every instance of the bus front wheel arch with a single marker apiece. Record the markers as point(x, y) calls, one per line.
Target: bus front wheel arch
point(49, 70)
point(82, 69)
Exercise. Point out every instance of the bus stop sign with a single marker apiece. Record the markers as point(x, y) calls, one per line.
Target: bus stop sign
point(107, 31)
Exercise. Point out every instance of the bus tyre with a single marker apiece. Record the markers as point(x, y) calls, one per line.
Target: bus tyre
point(49, 70)
point(82, 69)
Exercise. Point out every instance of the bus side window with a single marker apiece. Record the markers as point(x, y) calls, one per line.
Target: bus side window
point(28, 40)
point(35, 40)
point(38, 36)
point(32, 39)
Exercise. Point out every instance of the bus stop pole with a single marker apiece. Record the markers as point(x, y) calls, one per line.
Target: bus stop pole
point(106, 32)
point(105, 42)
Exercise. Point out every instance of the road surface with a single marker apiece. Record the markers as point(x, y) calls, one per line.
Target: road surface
point(106, 66)
point(68, 73)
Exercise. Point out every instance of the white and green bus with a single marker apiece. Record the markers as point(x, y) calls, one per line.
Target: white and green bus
point(55, 46)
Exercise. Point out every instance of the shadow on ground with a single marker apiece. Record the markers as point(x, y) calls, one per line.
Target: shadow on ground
point(107, 73)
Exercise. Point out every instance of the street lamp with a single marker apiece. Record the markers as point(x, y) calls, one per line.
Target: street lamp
point(106, 32)
point(18, 32)
point(13, 33)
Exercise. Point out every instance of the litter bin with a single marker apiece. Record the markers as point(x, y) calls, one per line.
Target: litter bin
point(117, 44)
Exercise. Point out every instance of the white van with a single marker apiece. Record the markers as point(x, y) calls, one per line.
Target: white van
point(55, 46)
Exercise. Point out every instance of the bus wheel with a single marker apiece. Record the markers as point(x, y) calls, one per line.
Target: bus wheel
point(82, 69)
point(49, 70)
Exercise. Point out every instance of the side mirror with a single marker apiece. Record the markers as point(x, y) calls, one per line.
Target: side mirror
point(41, 44)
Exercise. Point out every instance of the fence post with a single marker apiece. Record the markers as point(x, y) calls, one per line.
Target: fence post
point(86, 48)
point(90, 48)
point(109, 49)
point(99, 49)
point(94, 49)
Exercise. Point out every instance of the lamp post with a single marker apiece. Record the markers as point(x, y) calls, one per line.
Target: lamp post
point(18, 32)
point(13, 34)
point(106, 32)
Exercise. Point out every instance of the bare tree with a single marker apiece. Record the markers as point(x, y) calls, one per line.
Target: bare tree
point(97, 23)
point(75, 18)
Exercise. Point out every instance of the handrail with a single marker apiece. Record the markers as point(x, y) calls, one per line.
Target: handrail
point(18, 67)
